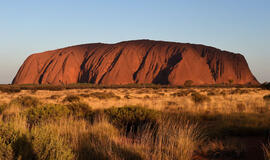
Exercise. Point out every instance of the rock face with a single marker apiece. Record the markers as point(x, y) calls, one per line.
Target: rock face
point(141, 61)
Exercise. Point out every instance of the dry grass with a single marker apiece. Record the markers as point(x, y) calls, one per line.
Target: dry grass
point(222, 101)
point(176, 134)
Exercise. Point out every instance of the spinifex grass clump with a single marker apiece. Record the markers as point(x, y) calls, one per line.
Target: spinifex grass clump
point(199, 98)
point(132, 117)
point(71, 98)
point(104, 95)
point(26, 101)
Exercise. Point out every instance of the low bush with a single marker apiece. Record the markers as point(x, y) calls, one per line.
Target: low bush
point(54, 96)
point(48, 145)
point(10, 89)
point(199, 98)
point(71, 98)
point(81, 110)
point(48, 112)
point(131, 117)
point(266, 98)
point(104, 95)
point(26, 101)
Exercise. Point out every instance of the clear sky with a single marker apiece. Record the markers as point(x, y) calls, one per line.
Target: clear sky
point(30, 26)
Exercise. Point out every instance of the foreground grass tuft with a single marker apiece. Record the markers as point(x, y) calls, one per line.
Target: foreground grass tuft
point(266, 149)
point(48, 145)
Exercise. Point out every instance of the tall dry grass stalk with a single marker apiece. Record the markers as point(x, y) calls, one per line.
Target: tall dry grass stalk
point(172, 139)
point(266, 150)
point(13, 116)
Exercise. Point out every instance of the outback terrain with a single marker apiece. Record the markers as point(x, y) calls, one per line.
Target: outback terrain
point(135, 100)
point(141, 122)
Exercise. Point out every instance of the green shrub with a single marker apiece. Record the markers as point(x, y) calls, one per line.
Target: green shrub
point(48, 145)
point(48, 112)
point(199, 98)
point(131, 117)
point(26, 101)
point(71, 98)
point(80, 110)
point(104, 95)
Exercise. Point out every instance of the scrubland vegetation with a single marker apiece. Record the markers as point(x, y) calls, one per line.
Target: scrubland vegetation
point(140, 123)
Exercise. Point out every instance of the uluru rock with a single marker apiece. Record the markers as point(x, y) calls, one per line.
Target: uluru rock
point(140, 61)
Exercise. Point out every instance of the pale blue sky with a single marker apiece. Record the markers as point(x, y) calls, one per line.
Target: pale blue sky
point(30, 26)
